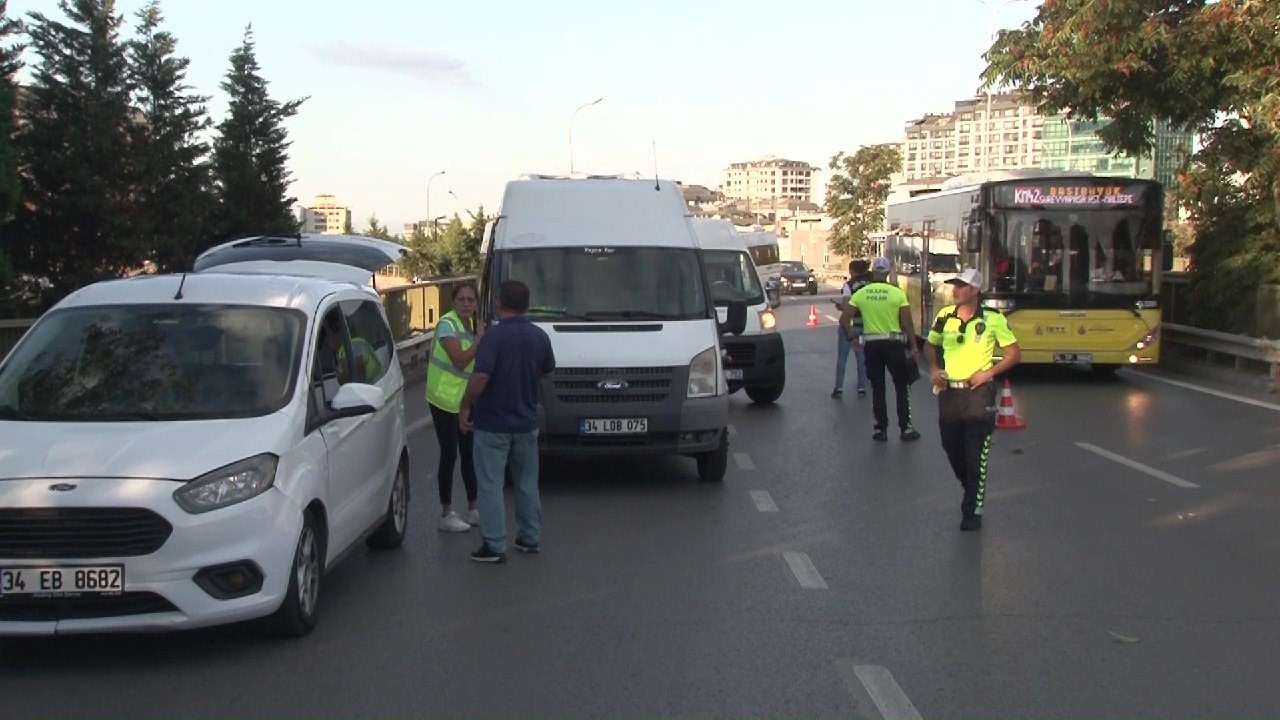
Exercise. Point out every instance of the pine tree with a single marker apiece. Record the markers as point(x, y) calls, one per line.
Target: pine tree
point(174, 178)
point(10, 63)
point(75, 152)
point(250, 153)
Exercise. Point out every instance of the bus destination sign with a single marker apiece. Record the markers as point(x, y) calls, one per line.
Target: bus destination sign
point(1072, 195)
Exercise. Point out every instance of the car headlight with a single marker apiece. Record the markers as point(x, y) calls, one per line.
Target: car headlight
point(703, 370)
point(768, 321)
point(228, 485)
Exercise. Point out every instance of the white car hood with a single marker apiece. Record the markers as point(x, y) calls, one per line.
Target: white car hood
point(674, 345)
point(161, 450)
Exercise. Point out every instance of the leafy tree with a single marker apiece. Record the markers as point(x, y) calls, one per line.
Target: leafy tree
point(1208, 66)
point(75, 152)
point(856, 195)
point(251, 152)
point(347, 227)
point(10, 63)
point(173, 175)
point(376, 229)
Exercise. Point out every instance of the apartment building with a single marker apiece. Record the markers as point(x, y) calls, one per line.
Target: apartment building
point(768, 182)
point(966, 140)
point(326, 217)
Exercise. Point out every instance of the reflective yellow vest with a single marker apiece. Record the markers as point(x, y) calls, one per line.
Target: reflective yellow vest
point(368, 367)
point(447, 384)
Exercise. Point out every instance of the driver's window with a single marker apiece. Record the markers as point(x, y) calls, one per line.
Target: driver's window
point(331, 364)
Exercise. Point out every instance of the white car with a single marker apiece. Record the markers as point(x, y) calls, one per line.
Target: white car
point(182, 451)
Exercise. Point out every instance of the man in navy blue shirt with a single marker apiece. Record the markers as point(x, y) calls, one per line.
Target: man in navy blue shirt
point(501, 407)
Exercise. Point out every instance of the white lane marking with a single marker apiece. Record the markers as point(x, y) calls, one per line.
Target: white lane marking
point(832, 318)
point(1159, 474)
point(744, 461)
point(1211, 391)
point(733, 431)
point(423, 423)
point(806, 574)
point(884, 690)
point(764, 501)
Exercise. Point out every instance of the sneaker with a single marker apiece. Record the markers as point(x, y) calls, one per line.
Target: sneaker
point(862, 392)
point(971, 522)
point(529, 548)
point(837, 393)
point(473, 517)
point(487, 555)
point(453, 523)
point(910, 434)
point(880, 435)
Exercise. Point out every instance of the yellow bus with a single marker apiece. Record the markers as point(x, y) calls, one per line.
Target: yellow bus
point(1073, 260)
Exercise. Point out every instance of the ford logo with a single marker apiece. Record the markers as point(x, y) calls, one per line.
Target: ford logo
point(62, 487)
point(612, 385)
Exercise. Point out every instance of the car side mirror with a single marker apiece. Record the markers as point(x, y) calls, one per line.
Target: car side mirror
point(773, 293)
point(1166, 251)
point(356, 399)
point(973, 235)
point(735, 318)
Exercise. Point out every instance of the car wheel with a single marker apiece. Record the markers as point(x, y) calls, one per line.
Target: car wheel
point(298, 613)
point(712, 465)
point(390, 535)
point(765, 394)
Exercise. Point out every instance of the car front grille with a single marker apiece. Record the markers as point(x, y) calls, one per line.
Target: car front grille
point(80, 533)
point(740, 354)
point(583, 385)
point(28, 608)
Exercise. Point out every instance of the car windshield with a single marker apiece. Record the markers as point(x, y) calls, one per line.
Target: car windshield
point(794, 267)
point(1092, 257)
point(153, 362)
point(733, 277)
point(607, 283)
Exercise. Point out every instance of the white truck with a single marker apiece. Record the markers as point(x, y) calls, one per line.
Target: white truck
point(617, 282)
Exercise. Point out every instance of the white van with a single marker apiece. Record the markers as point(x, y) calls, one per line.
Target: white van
point(756, 359)
point(617, 282)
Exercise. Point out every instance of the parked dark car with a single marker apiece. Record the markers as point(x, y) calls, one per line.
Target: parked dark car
point(798, 279)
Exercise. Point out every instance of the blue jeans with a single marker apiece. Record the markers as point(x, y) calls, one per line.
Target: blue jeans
point(843, 347)
point(493, 453)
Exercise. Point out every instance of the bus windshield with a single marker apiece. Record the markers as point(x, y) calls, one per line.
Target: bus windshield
point(1091, 257)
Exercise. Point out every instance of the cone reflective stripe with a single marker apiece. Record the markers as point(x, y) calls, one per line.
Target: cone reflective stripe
point(813, 315)
point(1006, 417)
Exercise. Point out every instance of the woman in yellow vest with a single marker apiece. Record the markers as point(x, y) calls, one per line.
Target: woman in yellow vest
point(453, 354)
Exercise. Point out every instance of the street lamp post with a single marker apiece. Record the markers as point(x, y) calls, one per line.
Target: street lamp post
point(571, 119)
point(995, 19)
point(429, 181)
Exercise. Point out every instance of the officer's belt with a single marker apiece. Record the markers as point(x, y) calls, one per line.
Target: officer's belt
point(900, 337)
point(959, 385)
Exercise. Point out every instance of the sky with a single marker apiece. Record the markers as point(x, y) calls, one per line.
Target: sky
point(484, 90)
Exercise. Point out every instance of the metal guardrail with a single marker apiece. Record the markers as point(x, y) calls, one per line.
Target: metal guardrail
point(1214, 343)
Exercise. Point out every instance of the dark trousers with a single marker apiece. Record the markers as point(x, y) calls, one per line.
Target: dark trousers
point(452, 441)
point(966, 421)
point(888, 355)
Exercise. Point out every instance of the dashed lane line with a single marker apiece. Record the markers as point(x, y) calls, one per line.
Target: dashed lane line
point(881, 686)
point(423, 423)
point(806, 574)
point(744, 461)
point(1209, 391)
point(764, 501)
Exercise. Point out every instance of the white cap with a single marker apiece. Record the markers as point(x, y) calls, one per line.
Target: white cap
point(881, 265)
point(968, 276)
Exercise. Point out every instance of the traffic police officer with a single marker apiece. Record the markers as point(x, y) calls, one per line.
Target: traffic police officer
point(968, 334)
point(888, 336)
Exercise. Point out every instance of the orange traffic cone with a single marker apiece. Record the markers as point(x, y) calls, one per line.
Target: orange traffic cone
point(1006, 418)
point(813, 316)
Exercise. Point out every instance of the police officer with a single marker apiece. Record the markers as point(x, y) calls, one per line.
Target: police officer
point(967, 334)
point(849, 342)
point(888, 337)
